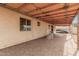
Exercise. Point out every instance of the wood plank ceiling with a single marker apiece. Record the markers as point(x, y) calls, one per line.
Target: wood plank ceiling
point(55, 13)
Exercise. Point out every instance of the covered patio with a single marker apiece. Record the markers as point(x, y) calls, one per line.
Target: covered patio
point(25, 29)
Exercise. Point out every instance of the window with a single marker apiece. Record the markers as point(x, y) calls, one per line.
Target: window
point(25, 25)
point(28, 25)
point(22, 24)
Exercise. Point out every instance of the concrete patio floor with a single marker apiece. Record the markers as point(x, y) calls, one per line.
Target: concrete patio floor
point(62, 44)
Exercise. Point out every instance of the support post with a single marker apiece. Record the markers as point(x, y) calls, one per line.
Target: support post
point(78, 30)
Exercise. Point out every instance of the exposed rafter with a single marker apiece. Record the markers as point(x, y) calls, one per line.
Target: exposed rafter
point(41, 8)
point(52, 19)
point(51, 11)
point(46, 12)
point(13, 9)
point(55, 21)
point(24, 4)
point(57, 13)
point(59, 22)
point(58, 16)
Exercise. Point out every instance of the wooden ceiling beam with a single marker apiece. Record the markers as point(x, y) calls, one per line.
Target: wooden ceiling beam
point(55, 18)
point(57, 13)
point(24, 4)
point(64, 21)
point(69, 20)
point(62, 17)
point(48, 11)
point(50, 19)
point(59, 16)
point(13, 9)
point(41, 8)
point(51, 11)
point(61, 22)
point(58, 21)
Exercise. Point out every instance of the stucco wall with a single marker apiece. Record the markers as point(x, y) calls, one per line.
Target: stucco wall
point(10, 33)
